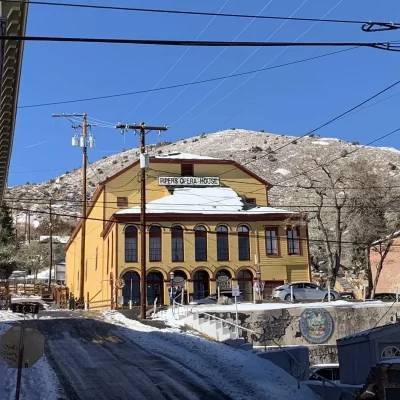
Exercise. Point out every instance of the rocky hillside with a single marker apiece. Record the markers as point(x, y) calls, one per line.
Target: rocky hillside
point(253, 149)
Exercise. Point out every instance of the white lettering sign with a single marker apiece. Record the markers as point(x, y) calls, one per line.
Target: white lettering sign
point(235, 291)
point(188, 181)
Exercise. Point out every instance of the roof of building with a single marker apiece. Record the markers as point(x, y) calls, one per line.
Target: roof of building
point(370, 334)
point(208, 200)
point(184, 156)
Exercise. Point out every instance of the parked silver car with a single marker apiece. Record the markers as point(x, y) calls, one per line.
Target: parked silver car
point(213, 299)
point(303, 291)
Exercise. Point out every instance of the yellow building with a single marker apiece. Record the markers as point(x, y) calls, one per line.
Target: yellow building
point(208, 221)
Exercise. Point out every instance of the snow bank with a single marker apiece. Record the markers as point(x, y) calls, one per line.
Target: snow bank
point(282, 171)
point(38, 382)
point(239, 374)
point(277, 306)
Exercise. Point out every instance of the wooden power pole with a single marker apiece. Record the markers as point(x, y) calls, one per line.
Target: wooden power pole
point(51, 241)
point(82, 142)
point(144, 164)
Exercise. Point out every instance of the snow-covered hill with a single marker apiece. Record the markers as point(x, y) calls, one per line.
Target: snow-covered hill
point(250, 148)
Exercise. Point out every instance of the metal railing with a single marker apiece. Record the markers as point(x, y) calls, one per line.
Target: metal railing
point(301, 367)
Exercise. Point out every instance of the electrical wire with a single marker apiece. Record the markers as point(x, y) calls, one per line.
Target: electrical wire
point(176, 63)
point(199, 13)
point(229, 233)
point(237, 87)
point(183, 84)
point(338, 158)
point(209, 64)
point(320, 126)
point(388, 46)
point(239, 66)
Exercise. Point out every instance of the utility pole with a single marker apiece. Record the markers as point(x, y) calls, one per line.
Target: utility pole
point(83, 141)
point(29, 226)
point(144, 164)
point(51, 241)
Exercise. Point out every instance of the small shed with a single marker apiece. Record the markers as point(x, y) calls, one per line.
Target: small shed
point(359, 352)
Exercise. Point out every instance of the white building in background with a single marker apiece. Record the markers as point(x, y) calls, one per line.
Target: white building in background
point(56, 239)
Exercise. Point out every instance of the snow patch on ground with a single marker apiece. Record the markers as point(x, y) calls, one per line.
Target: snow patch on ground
point(38, 382)
point(322, 143)
point(239, 374)
point(282, 171)
point(277, 306)
point(392, 149)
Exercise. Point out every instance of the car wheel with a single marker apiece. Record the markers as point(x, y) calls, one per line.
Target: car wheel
point(287, 297)
point(332, 297)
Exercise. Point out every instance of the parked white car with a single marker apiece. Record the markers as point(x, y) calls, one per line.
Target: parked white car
point(303, 291)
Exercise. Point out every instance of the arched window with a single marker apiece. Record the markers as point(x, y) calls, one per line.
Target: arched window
point(244, 242)
point(131, 253)
point(245, 282)
point(155, 243)
point(131, 290)
point(201, 243)
point(177, 248)
point(390, 352)
point(155, 285)
point(201, 283)
point(222, 243)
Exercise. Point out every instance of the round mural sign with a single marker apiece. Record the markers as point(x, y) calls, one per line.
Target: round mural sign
point(119, 283)
point(316, 325)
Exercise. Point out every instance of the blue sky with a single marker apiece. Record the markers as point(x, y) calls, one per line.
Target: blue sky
point(293, 100)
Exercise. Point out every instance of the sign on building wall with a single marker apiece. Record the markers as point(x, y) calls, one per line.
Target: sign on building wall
point(224, 283)
point(188, 181)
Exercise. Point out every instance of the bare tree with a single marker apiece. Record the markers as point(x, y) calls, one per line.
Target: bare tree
point(36, 256)
point(329, 196)
point(374, 220)
point(350, 208)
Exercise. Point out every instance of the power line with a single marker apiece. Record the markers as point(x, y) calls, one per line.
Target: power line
point(340, 157)
point(252, 76)
point(168, 227)
point(175, 63)
point(210, 63)
point(394, 25)
point(185, 84)
point(238, 66)
point(389, 46)
point(210, 203)
point(321, 126)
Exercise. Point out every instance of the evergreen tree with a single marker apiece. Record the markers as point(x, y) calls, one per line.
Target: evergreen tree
point(8, 244)
point(6, 226)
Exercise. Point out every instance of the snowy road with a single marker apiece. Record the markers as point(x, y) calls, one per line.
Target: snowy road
point(118, 358)
point(93, 360)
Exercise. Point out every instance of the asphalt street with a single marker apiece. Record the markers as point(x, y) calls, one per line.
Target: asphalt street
point(95, 360)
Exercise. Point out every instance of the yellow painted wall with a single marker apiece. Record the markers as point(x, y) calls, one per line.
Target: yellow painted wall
point(94, 274)
point(72, 265)
point(111, 249)
point(272, 268)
